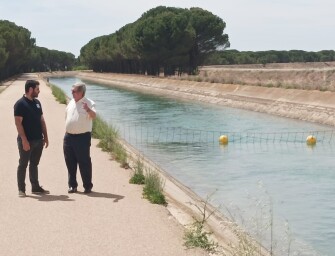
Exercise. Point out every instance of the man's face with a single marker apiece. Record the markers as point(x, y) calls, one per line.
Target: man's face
point(35, 92)
point(77, 95)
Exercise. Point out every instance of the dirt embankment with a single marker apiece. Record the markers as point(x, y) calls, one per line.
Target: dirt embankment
point(307, 76)
point(310, 105)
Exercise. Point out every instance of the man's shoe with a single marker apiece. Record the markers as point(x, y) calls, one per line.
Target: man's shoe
point(87, 190)
point(22, 193)
point(72, 190)
point(39, 190)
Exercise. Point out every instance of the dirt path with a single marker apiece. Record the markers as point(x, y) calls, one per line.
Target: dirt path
point(113, 220)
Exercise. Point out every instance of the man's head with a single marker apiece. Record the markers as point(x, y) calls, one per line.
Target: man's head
point(32, 88)
point(78, 91)
point(31, 84)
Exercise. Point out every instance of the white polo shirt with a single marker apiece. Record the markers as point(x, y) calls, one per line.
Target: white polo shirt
point(77, 119)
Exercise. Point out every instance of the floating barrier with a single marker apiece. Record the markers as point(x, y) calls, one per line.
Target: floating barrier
point(141, 134)
point(311, 140)
point(223, 139)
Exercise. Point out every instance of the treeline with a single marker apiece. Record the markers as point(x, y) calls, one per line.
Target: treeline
point(231, 57)
point(19, 54)
point(163, 39)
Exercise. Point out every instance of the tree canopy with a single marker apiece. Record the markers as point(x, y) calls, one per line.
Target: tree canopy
point(18, 53)
point(164, 39)
point(231, 57)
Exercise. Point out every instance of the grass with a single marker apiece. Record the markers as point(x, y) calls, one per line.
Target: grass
point(59, 94)
point(109, 140)
point(153, 187)
point(304, 79)
point(138, 175)
point(196, 235)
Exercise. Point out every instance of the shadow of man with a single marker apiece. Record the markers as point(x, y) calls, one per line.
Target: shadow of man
point(104, 195)
point(50, 198)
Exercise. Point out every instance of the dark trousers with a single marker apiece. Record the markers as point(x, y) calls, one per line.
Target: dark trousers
point(32, 157)
point(76, 149)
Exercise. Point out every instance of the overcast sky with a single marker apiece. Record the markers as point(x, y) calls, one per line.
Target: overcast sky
point(252, 25)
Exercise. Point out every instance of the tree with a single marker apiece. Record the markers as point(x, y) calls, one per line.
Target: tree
point(209, 36)
point(163, 38)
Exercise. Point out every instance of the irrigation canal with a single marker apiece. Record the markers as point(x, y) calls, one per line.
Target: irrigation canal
point(266, 178)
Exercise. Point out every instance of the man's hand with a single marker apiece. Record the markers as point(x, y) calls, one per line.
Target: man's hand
point(25, 145)
point(45, 142)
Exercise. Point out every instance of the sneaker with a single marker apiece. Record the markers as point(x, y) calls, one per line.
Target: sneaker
point(22, 193)
point(39, 190)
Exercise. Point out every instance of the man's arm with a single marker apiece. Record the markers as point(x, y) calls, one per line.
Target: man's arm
point(90, 111)
point(45, 132)
point(22, 134)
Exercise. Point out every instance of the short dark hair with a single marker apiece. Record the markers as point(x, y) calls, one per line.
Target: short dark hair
point(31, 84)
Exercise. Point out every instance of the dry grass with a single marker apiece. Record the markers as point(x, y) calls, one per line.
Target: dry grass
point(306, 76)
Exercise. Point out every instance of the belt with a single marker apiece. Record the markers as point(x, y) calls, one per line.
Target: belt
point(77, 134)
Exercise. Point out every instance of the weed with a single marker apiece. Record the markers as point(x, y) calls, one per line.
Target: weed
point(153, 187)
point(138, 176)
point(195, 235)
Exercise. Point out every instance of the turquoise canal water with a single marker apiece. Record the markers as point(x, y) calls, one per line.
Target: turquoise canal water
point(266, 178)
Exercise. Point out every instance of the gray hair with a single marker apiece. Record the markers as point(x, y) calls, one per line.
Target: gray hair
point(81, 87)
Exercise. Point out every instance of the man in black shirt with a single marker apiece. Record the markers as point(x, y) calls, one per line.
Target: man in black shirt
point(32, 136)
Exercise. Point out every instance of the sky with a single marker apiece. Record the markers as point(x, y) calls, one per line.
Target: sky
point(252, 25)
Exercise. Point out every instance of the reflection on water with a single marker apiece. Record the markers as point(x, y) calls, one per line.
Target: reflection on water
point(255, 177)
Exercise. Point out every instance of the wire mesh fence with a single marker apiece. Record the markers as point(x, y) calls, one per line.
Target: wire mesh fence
point(138, 133)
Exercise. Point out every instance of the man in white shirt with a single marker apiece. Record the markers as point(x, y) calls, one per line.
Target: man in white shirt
point(77, 140)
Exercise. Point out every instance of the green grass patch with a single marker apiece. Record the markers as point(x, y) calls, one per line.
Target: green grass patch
point(195, 235)
point(153, 188)
point(59, 94)
point(109, 140)
point(138, 175)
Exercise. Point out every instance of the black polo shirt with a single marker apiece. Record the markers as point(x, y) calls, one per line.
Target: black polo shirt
point(31, 111)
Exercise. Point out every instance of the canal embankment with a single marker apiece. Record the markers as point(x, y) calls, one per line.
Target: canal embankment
point(309, 105)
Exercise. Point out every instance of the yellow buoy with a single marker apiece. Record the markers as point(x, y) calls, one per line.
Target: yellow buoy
point(223, 139)
point(311, 140)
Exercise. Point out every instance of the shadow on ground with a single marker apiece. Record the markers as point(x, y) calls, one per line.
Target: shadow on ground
point(50, 198)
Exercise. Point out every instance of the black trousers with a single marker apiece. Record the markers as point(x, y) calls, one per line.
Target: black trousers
point(76, 149)
point(32, 157)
